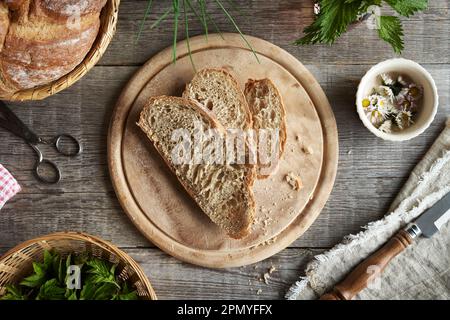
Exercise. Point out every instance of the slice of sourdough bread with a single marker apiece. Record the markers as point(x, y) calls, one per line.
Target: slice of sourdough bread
point(219, 92)
point(268, 112)
point(223, 192)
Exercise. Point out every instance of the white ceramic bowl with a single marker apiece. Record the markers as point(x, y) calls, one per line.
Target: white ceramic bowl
point(417, 74)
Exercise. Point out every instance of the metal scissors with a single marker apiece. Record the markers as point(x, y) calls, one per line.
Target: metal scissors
point(10, 122)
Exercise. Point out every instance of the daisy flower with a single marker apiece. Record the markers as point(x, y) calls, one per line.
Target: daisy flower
point(386, 126)
point(387, 79)
point(402, 81)
point(385, 91)
point(415, 92)
point(404, 119)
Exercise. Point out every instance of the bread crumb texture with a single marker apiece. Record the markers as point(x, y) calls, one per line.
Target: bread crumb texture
point(294, 181)
point(222, 191)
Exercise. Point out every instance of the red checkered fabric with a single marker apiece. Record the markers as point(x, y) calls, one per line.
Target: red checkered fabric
point(8, 186)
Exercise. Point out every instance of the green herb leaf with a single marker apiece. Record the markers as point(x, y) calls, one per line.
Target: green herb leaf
point(147, 13)
point(231, 19)
point(333, 20)
point(37, 278)
point(72, 296)
point(105, 291)
point(176, 14)
point(13, 293)
point(88, 291)
point(51, 291)
point(101, 273)
point(48, 260)
point(127, 294)
point(186, 27)
point(390, 30)
point(407, 7)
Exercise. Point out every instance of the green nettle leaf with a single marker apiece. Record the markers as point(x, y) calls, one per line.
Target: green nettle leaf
point(72, 295)
point(407, 7)
point(61, 271)
point(335, 17)
point(48, 260)
point(13, 293)
point(390, 30)
point(51, 291)
point(101, 273)
point(88, 291)
point(128, 296)
point(105, 291)
point(37, 278)
point(333, 20)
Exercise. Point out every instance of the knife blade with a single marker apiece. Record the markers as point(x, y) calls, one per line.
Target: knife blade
point(432, 220)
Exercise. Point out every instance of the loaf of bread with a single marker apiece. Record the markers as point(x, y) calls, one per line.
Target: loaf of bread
point(223, 192)
point(43, 40)
point(268, 112)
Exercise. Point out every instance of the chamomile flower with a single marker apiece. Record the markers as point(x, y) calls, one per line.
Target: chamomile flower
point(402, 81)
point(387, 92)
point(415, 92)
point(404, 119)
point(379, 109)
point(386, 126)
point(376, 118)
point(387, 79)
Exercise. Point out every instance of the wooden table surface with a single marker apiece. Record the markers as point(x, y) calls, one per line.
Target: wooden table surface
point(371, 171)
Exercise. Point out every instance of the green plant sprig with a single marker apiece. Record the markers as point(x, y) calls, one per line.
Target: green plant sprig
point(182, 8)
point(335, 17)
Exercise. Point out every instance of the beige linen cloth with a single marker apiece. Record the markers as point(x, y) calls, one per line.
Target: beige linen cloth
point(420, 272)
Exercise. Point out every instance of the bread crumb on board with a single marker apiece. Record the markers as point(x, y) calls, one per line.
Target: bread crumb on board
point(294, 181)
point(266, 276)
point(259, 292)
point(307, 150)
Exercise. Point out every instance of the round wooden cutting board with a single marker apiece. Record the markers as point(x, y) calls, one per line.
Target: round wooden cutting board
point(159, 206)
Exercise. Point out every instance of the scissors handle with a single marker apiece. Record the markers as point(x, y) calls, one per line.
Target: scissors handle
point(58, 141)
point(39, 167)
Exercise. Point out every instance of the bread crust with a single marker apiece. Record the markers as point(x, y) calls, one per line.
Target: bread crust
point(248, 217)
point(40, 45)
point(249, 87)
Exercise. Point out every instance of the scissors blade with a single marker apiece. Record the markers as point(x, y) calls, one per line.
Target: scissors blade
point(12, 123)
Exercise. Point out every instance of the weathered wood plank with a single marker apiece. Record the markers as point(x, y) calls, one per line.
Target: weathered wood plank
point(368, 177)
point(172, 279)
point(175, 280)
point(281, 22)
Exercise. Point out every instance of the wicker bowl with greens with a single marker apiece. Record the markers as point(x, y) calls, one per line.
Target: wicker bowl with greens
point(71, 266)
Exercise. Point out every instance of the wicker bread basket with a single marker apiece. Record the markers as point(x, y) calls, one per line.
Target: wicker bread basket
point(17, 263)
point(108, 21)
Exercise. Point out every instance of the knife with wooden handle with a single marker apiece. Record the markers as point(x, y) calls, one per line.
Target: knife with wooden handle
point(426, 225)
